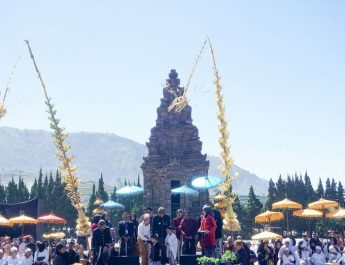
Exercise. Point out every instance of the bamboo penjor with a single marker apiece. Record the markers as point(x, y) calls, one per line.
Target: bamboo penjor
point(68, 171)
point(3, 110)
point(181, 101)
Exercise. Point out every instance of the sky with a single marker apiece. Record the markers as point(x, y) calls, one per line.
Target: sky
point(105, 63)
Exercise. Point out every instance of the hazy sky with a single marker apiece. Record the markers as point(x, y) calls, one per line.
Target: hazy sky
point(282, 66)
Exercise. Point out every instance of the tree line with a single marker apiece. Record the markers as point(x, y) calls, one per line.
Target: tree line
point(48, 188)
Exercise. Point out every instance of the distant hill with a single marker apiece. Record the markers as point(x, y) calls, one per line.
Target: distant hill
point(26, 151)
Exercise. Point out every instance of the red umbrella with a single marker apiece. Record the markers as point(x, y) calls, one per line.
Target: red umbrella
point(51, 219)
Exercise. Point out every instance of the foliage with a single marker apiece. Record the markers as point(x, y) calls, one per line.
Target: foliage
point(101, 193)
point(207, 261)
point(228, 256)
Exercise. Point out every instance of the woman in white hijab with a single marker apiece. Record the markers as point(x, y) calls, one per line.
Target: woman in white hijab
point(13, 258)
point(302, 254)
point(318, 258)
point(333, 255)
point(287, 258)
point(27, 258)
point(3, 258)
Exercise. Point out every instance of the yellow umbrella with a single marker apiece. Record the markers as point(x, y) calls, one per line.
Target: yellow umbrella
point(337, 214)
point(267, 235)
point(309, 214)
point(322, 204)
point(22, 220)
point(268, 217)
point(287, 205)
point(59, 235)
point(4, 221)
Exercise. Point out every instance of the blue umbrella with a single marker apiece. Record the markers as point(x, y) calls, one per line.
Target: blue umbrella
point(185, 190)
point(130, 191)
point(111, 205)
point(206, 182)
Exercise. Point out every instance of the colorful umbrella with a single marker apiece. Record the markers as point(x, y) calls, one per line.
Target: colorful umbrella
point(185, 190)
point(206, 182)
point(58, 235)
point(337, 214)
point(309, 214)
point(322, 204)
point(267, 235)
point(130, 191)
point(111, 205)
point(22, 220)
point(268, 217)
point(4, 221)
point(51, 219)
point(287, 204)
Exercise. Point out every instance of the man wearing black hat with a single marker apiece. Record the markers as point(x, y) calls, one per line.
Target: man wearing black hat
point(71, 254)
point(60, 257)
point(101, 238)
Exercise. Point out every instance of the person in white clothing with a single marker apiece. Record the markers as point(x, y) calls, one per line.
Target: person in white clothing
point(333, 255)
point(3, 259)
point(27, 258)
point(13, 258)
point(143, 238)
point(287, 258)
point(41, 254)
point(289, 244)
point(318, 258)
point(302, 254)
point(172, 246)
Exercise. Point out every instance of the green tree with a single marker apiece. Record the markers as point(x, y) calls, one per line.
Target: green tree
point(253, 208)
point(340, 195)
point(23, 192)
point(272, 194)
point(113, 195)
point(333, 194)
point(281, 191)
point(92, 200)
point(101, 190)
point(328, 189)
point(310, 193)
point(2, 193)
point(138, 181)
point(12, 191)
point(320, 191)
point(33, 191)
point(40, 189)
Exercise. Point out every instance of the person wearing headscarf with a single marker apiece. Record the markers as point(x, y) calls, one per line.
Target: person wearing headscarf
point(41, 255)
point(265, 254)
point(60, 257)
point(318, 258)
point(288, 243)
point(302, 253)
point(333, 254)
point(3, 259)
point(27, 258)
point(13, 258)
point(287, 258)
point(208, 228)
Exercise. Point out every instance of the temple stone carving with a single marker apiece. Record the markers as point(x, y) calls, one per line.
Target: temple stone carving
point(174, 155)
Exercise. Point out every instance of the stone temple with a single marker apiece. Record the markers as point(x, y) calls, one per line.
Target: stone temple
point(174, 156)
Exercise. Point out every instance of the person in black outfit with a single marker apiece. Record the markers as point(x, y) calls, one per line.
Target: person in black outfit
point(242, 253)
point(219, 232)
point(100, 238)
point(156, 251)
point(265, 254)
point(160, 223)
point(71, 255)
point(60, 258)
point(126, 233)
point(136, 225)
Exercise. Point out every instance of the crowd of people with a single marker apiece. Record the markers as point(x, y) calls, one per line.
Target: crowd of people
point(306, 251)
point(159, 239)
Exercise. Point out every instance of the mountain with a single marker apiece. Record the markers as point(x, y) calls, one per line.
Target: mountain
point(24, 152)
